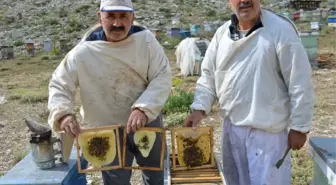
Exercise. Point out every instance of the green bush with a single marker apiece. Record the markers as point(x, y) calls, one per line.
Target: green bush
point(45, 57)
point(179, 101)
point(19, 43)
point(50, 21)
point(73, 25)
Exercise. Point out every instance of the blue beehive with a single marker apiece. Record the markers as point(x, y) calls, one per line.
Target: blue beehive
point(332, 21)
point(310, 42)
point(333, 13)
point(47, 45)
point(174, 32)
point(195, 30)
point(185, 34)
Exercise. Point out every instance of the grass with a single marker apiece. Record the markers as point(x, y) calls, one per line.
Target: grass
point(302, 167)
point(29, 95)
point(27, 79)
point(18, 156)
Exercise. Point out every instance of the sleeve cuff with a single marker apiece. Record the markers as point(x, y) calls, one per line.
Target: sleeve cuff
point(55, 115)
point(302, 129)
point(150, 115)
point(197, 106)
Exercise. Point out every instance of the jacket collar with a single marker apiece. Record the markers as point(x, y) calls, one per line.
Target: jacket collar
point(234, 27)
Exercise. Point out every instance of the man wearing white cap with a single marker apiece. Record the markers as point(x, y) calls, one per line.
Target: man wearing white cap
point(123, 76)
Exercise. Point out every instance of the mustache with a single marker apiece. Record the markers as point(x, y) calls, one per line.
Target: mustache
point(245, 4)
point(115, 28)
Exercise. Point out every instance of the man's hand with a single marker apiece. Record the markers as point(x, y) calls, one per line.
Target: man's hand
point(296, 139)
point(137, 120)
point(69, 124)
point(193, 119)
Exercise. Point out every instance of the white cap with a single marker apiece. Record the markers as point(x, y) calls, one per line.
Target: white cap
point(116, 5)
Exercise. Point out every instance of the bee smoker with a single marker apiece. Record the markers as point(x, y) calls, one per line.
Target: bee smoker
point(42, 145)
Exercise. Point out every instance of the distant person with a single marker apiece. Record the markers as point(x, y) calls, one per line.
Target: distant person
point(258, 71)
point(123, 76)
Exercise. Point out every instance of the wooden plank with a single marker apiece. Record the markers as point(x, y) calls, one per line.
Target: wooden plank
point(174, 153)
point(124, 147)
point(195, 175)
point(214, 172)
point(213, 182)
point(197, 167)
point(163, 147)
point(196, 179)
point(205, 183)
point(191, 179)
point(211, 175)
point(119, 149)
point(212, 147)
point(201, 129)
point(197, 171)
point(109, 127)
point(192, 172)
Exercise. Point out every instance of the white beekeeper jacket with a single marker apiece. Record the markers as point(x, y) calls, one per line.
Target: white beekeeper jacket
point(113, 78)
point(262, 80)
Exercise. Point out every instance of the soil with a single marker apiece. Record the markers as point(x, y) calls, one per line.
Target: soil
point(327, 61)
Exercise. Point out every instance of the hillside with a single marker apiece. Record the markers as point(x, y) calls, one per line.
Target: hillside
point(39, 20)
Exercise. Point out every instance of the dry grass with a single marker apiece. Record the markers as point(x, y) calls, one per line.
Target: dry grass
point(24, 82)
point(327, 40)
point(302, 168)
point(18, 156)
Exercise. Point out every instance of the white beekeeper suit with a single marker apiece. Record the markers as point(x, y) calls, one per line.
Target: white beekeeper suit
point(263, 86)
point(112, 78)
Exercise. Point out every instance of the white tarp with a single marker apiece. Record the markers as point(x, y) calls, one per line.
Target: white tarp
point(187, 53)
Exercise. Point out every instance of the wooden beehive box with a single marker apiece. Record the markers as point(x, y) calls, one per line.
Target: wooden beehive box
point(209, 175)
point(195, 134)
point(205, 174)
